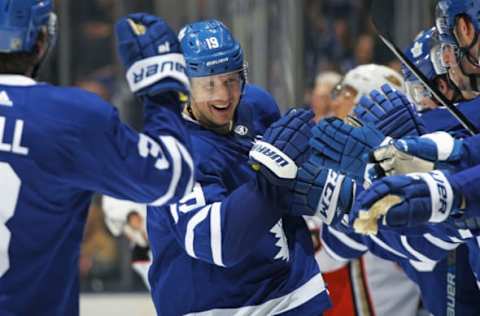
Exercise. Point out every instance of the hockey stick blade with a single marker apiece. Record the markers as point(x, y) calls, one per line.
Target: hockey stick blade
point(464, 121)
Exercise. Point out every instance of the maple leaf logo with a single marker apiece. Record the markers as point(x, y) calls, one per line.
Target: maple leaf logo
point(283, 253)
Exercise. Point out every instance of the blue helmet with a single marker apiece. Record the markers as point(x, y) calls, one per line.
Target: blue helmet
point(20, 23)
point(210, 49)
point(422, 54)
point(447, 11)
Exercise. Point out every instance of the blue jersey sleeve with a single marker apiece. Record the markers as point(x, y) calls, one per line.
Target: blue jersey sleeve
point(421, 251)
point(468, 183)
point(97, 152)
point(471, 156)
point(264, 106)
point(218, 226)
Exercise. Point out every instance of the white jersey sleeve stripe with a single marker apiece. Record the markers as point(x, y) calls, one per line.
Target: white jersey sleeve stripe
point(190, 233)
point(333, 254)
point(386, 247)
point(170, 144)
point(174, 212)
point(455, 239)
point(421, 257)
point(216, 234)
point(422, 266)
point(440, 243)
point(313, 287)
point(347, 240)
point(189, 161)
point(465, 233)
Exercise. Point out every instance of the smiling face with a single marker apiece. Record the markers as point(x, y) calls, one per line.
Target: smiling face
point(215, 98)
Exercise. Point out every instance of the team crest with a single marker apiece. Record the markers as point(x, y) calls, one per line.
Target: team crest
point(241, 130)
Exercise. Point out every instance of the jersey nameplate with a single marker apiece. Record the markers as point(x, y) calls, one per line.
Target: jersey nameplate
point(13, 145)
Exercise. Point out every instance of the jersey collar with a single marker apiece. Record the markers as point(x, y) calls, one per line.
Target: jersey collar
point(16, 80)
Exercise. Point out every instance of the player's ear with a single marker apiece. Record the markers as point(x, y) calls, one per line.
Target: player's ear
point(465, 31)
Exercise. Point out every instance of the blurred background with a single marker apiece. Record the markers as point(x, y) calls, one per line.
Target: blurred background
point(287, 44)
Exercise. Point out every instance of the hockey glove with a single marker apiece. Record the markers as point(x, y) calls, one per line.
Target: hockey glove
point(415, 154)
point(405, 201)
point(151, 53)
point(339, 146)
point(322, 192)
point(390, 112)
point(283, 148)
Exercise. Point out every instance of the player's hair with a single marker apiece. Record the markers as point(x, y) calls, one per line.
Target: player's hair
point(22, 63)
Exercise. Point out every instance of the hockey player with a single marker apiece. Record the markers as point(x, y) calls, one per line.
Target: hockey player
point(229, 248)
point(359, 82)
point(458, 25)
point(424, 53)
point(441, 275)
point(358, 287)
point(457, 22)
point(59, 145)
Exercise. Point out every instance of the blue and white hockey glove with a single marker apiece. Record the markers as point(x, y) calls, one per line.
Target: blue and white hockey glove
point(415, 154)
point(151, 53)
point(390, 112)
point(342, 147)
point(322, 192)
point(283, 147)
point(405, 201)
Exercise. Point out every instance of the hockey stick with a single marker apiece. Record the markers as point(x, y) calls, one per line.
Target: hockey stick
point(385, 38)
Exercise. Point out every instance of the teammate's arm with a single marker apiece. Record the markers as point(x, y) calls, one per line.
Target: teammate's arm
point(151, 167)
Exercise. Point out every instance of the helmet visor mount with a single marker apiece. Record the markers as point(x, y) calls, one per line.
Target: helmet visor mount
point(344, 91)
point(418, 94)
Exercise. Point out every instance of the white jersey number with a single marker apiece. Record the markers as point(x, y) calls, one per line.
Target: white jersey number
point(212, 43)
point(10, 184)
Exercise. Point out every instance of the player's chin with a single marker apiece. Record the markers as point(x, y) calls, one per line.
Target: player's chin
point(222, 116)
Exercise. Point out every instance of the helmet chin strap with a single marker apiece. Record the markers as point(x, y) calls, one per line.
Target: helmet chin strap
point(457, 93)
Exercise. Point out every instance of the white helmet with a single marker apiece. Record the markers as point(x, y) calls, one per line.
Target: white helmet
point(366, 78)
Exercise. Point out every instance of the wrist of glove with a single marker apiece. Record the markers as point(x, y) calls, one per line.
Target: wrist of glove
point(151, 53)
point(390, 112)
point(276, 157)
point(405, 201)
point(415, 154)
point(283, 148)
point(275, 166)
point(322, 192)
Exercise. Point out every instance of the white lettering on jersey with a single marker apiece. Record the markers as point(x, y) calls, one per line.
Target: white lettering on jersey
point(147, 147)
point(15, 145)
point(5, 99)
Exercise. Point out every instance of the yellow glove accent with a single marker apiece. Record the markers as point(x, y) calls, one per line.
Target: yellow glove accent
point(138, 29)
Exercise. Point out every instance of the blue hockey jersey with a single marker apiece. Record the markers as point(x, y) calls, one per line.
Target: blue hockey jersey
point(432, 256)
point(440, 119)
point(225, 249)
point(58, 146)
point(437, 263)
point(468, 179)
